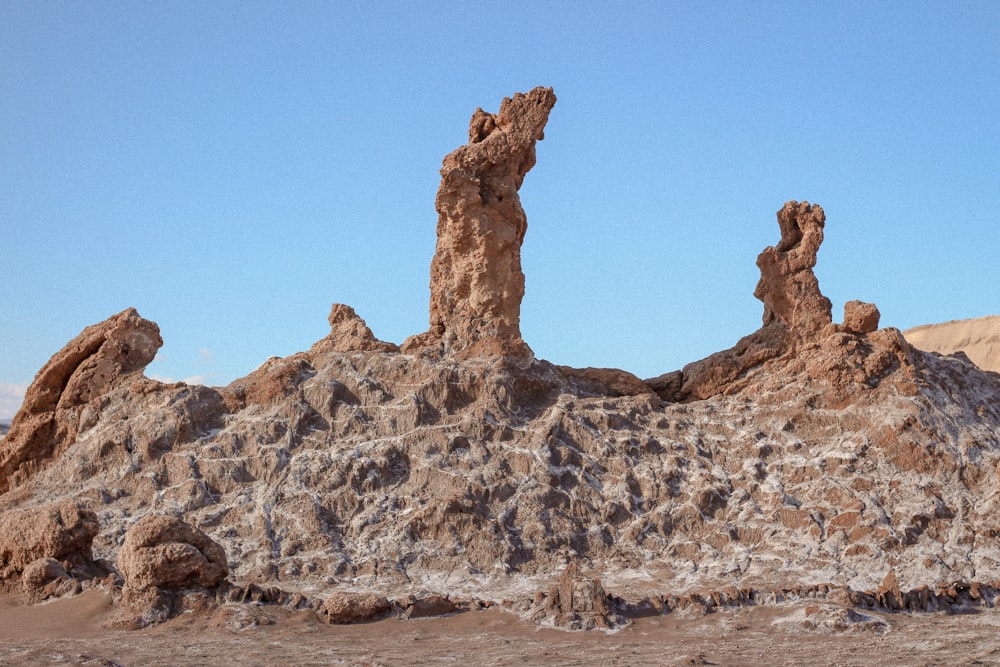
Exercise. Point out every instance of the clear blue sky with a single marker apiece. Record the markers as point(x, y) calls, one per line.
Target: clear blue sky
point(233, 168)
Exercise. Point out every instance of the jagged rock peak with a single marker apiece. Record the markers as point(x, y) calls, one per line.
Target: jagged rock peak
point(349, 333)
point(88, 367)
point(476, 278)
point(788, 287)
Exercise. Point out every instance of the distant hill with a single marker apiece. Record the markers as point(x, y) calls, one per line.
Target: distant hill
point(4, 427)
point(979, 338)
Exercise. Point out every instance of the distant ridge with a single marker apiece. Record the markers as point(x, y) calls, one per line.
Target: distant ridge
point(979, 338)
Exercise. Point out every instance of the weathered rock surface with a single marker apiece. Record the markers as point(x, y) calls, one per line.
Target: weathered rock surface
point(978, 338)
point(861, 318)
point(343, 607)
point(797, 323)
point(61, 531)
point(165, 552)
point(788, 286)
point(166, 564)
point(101, 358)
point(349, 333)
point(476, 278)
point(811, 457)
point(579, 602)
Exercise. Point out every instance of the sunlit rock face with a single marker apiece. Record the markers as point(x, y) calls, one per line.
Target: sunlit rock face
point(476, 278)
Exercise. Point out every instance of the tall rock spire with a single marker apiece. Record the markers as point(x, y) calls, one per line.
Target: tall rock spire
point(476, 278)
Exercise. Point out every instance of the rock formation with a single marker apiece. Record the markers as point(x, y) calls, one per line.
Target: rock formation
point(160, 557)
point(343, 607)
point(91, 365)
point(349, 333)
point(476, 279)
point(43, 543)
point(165, 552)
point(578, 602)
point(811, 459)
point(797, 317)
point(788, 286)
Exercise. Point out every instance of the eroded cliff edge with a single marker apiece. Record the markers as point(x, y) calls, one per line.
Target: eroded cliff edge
point(811, 452)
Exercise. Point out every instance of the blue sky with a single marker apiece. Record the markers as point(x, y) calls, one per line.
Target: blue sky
point(231, 169)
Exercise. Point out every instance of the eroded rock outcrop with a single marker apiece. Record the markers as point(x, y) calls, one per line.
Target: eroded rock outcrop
point(797, 324)
point(349, 333)
point(91, 365)
point(345, 607)
point(578, 602)
point(62, 531)
point(788, 287)
point(165, 552)
point(161, 556)
point(476, 278)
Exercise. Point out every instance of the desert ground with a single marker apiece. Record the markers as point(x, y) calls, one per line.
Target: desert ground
point(71, 631)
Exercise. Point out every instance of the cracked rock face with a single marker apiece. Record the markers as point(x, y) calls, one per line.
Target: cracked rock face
point(476, 278)
point(62, 531)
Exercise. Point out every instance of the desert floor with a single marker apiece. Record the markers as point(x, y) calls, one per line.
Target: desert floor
point(70, 631)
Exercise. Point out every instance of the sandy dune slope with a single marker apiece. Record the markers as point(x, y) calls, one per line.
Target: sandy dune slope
point(979, 338)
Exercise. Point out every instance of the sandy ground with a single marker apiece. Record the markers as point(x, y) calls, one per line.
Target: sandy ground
point(70, 631)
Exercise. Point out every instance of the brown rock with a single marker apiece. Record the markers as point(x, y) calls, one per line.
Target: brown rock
point(430, 605)
point(796, 314)
point(617, 382)
point(42, 571)
point(88, 367)
point(165, 552)
point(889, 594)
point(62, 531)
point(667, 386)
point(349, 333)
point(860, 317)
point(476, 279)
point(725, 372)
point(578, 601)
point(788, 286)
point(343, 607)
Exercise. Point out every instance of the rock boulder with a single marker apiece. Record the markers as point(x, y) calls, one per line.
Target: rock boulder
point(165, 552)
point(61, 531)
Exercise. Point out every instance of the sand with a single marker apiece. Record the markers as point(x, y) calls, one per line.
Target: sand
point(979, 338)
point(69, 631)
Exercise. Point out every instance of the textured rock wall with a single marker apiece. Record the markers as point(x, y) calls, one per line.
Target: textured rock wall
point(476, 278)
